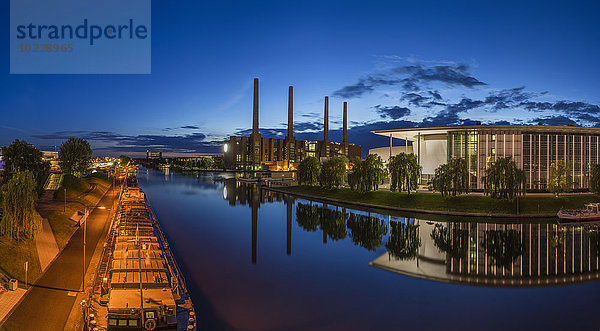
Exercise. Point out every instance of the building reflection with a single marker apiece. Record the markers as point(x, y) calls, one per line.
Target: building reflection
point(516, 254)
point(500, 254)
point(238, 193)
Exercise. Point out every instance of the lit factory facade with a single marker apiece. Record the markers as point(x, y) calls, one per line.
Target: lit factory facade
point(259, 153)
point(533, 147)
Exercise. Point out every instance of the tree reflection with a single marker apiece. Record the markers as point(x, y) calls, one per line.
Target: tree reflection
point(333, 223)
point(502, 246)
point(454, 242)
point(307, 217)
point(404, 241)
point(366, 231)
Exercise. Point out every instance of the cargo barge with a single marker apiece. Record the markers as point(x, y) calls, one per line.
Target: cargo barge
point(138, 283)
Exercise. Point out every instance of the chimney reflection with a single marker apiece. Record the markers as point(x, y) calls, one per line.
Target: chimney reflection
point(289, 204)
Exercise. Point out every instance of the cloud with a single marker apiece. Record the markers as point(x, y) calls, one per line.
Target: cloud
point(190, 127)
point(395, 112)
point(509, 98)
point(554, 120)
point(412, 78)
point(191, 143)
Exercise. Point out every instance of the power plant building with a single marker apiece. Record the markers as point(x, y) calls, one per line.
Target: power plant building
point(533, 147)
point(260, 153)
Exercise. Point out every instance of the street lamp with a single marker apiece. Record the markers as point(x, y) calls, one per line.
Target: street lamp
point(86, 213)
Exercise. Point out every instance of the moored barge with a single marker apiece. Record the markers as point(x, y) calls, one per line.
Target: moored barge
point(139, 285)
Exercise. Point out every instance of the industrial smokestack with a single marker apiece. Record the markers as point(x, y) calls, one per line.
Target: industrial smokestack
point(326, 121)
point(255, 109)
point(345, 129)
point(291, 112)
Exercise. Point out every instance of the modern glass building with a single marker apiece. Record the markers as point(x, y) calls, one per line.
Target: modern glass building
point(533, 147)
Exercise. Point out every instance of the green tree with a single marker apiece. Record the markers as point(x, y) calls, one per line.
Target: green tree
point(124, 159)
point(367, 175)
point(404, 172)
point(205, 163)
point(504, 180)
point(308, 171)
point(21, 156)
point(595, 178)
point(75, 155)
point(334, 172)
point(20, 220)
point(451, 178)
point(560, 178)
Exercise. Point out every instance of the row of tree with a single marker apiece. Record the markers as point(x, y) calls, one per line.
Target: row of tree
point(25, 173)
point(502, 179)
point(361, 175)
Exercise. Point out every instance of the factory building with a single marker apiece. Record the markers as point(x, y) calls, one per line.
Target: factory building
point(261, 153)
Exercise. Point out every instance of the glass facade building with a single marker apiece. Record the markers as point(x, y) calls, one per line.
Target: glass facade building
point(533, 147)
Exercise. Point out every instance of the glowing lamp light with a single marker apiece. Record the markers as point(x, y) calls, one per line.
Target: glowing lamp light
point(226, 148)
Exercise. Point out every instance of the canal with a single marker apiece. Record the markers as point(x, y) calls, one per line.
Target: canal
point(258, 260)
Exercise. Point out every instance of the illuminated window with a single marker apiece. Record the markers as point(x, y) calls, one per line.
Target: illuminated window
point(112, 321)
point(122, 322)
point(493, 151)
point(493, 137)
point(133, 322)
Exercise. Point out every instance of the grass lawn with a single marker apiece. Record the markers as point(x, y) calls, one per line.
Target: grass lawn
point(61, 225)
point(13, 256)
point(463, 203)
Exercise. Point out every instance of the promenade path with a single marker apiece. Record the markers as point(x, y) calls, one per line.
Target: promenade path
point(48, 304)
point(45, 243)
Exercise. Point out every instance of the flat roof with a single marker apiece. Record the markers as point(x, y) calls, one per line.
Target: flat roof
point(407, 133)
point(130, 298)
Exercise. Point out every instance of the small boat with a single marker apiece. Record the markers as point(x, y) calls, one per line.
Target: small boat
point(590, 213)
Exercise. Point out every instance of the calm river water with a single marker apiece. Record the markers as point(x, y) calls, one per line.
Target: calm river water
point(258, 260)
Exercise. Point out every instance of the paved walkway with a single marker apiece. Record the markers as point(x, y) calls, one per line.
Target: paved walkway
point(8, 300)
point(46, 245)
point(48, 304)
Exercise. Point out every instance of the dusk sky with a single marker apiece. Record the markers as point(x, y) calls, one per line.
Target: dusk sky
point(398, 64)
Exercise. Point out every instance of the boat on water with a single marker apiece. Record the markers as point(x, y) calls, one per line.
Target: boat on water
point(139, 284)
point(589, 214)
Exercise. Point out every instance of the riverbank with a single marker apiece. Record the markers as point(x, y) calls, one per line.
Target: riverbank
point(433, 203)
point(13, 254)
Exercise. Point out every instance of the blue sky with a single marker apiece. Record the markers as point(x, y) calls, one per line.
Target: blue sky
point(396, 63)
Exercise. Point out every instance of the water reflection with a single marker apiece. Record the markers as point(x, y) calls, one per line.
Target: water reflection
point(516, 254)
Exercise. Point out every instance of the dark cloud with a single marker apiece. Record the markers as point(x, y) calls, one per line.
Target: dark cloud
point(428, 100)
point(509, 98)
point(412, 78)
point(193, 142)
point(395, 112)
point(554, 120)
point(190, 127)
point(451, 114)
point(435, 94)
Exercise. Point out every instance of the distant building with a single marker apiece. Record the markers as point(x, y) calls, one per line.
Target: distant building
point(52, 158)
point(533, 147)
point(153, 155)
point(259, 153)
